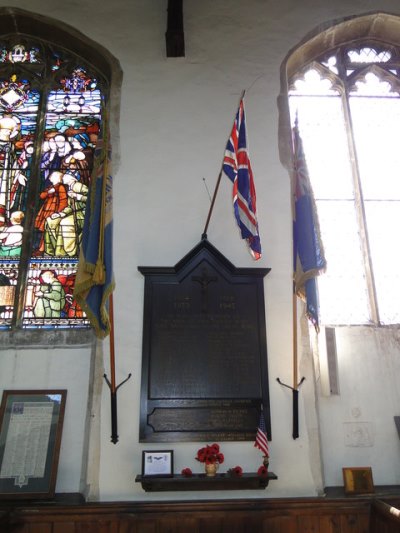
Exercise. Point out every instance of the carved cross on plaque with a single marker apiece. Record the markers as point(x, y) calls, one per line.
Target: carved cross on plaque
point(204, 281)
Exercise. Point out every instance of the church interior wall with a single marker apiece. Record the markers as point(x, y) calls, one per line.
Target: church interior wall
point(176, 116)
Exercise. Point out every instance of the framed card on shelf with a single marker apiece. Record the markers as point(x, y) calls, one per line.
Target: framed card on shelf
point(158, 463)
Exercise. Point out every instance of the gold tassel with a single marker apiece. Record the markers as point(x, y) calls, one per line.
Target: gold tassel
point(99, 274)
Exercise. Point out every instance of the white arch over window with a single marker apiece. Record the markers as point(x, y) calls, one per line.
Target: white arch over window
point(343, 84)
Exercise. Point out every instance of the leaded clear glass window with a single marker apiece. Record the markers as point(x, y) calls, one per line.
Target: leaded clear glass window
point(348, 108)
point(51, 107)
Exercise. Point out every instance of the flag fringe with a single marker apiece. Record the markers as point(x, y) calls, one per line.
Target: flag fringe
point(99, 274)
point(314, 322)
point(101, 330)
point(300, 280)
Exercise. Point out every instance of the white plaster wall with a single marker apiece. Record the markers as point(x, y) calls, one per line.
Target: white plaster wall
point(56, 369)
point(176, 115)
point(358, 428)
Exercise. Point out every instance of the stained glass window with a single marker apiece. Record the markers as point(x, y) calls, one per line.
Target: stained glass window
point(51, 106)
point(348, 108)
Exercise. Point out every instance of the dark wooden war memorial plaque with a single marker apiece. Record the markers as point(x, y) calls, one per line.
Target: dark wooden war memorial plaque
point(204, 368)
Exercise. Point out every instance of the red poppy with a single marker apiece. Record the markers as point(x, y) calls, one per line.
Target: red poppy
point(262, 471)
point(237, 471)
point(210, 454)
point(214, 448)
point(220, 457)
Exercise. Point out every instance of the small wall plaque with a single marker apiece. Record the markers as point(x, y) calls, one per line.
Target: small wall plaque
point(358, 480)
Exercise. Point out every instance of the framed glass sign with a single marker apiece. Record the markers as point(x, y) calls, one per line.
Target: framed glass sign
point(31, 424)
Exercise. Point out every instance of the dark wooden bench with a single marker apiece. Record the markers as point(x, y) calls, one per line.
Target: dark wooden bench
point(384, 518)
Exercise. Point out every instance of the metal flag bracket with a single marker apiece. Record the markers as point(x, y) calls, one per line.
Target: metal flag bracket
point(111, 384)
point(114, 420)
point(295, 395)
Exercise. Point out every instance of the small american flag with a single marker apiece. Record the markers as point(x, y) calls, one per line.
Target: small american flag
point(261, 441)
point(237, 167)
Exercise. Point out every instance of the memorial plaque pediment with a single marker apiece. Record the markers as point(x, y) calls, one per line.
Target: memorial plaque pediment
point(204, 368)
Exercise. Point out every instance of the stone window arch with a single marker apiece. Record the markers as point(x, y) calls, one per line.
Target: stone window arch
point(56, 88)
point(342, 82)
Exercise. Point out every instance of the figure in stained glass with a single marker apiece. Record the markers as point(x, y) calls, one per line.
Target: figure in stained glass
point(63, 229)
point(55, 200)
point(79, 161)
point(11, 176)
point(18, 188)
point(55, 148)
point(71, 309)
point(11, 237)
point(49, 297)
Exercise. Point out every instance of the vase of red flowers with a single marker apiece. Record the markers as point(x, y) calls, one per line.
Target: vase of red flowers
point(211, 469)
point(211, 456)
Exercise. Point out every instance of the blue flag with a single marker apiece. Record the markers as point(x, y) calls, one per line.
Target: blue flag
point(94, 280)
point(308, 253)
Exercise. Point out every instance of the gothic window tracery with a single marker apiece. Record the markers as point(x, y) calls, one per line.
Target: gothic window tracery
point(51, 109)
point(347, 102)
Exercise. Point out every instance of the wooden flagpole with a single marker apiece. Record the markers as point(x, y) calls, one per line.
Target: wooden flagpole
point(294, 303)
point(113, 388)
point(204, 235)
point(296, 383)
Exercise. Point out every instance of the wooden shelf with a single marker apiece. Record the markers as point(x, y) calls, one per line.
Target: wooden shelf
point(202, 482)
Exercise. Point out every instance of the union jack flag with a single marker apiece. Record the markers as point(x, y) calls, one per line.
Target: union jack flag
point(237, 167)
point(261, 441)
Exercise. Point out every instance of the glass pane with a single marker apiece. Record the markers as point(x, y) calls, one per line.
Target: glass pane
point(342, 289)
point(372, 85)
point(369, 55)
point(314, 83)
point(331, 63)
point(8, 281)
point(376, 123)
point(383, 218)
point(19, 54)
point(72, 127)
point(49, 300)
point(323, 132)
point(18, 115)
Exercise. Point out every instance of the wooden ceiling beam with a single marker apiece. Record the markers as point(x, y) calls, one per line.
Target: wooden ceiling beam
point(174, 36)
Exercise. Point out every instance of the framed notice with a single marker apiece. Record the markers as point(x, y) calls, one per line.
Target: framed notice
point(158, 463)
point(358, 480)
point(31, 424)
